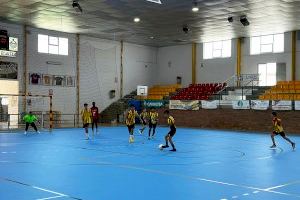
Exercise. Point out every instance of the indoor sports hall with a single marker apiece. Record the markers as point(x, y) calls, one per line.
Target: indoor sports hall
point(149, 100)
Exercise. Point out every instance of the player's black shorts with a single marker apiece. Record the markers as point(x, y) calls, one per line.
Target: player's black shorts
point(86, 125)
point(172, 131)
point(130, 127)
point(144, 122)
point(152, 125)
point(279, 133)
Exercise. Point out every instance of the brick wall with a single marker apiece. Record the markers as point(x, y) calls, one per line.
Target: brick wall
point(229, 119)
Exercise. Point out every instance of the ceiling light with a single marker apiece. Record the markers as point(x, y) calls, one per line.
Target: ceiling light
point(136, 19)
point(155, 1)
point(195, 7)
point(151, 37)
point(77, 6)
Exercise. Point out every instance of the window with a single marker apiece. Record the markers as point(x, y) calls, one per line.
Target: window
point(267, 74)
point(267, 44)
point(220, 49)
point(53, 45)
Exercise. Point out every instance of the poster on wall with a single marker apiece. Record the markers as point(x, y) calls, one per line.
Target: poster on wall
point(70, 81)
point(297, 105)
point(35, 78)
point(47, 79)
point(184, 105)
point(260, 105)
point(241, 105)
point(59, 80)
point(209, 104)
point(8, 70)
point(282, 105)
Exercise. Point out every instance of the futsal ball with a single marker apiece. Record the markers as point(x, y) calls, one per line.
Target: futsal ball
point(160, 147)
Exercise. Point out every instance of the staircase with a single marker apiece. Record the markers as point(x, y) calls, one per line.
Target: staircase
point(115, 112)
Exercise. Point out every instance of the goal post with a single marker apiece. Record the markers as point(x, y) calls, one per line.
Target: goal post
point(14, 106)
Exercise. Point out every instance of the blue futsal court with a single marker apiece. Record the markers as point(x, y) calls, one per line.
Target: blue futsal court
point(209, 164)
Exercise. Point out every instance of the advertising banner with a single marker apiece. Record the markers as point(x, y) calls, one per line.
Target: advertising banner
point(241, 105)
point(259, 105)
point(297, 105)
point(153, 103)
point(282, 105)
point(209, 104)
point(184, 105)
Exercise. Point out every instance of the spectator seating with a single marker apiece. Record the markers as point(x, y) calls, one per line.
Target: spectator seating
point(199, 91)
point(284, 90)
point(158, 92)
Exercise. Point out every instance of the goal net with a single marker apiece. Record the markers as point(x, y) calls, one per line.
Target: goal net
point(14, 107)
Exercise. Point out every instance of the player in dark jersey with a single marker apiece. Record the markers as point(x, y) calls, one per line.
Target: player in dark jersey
point(144, 117)
point(172, 132)
point(153, 119)
point(95, 116)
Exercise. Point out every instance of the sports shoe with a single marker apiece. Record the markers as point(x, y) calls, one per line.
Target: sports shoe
point(140, 131)
point(38, 132)
point(294, 145)
point(273, 146)
point(149, 138)
point(173, 150)
point(25, 133)
point(165, 146)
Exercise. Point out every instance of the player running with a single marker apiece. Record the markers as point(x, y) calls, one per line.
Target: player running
point(170, 135)
point(278, 130)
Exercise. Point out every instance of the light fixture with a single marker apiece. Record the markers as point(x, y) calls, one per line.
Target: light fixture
point(76, 6)
point(151, 37)
point(195, 7)
point(244, 20)
point(155, 1)
point(136, 19)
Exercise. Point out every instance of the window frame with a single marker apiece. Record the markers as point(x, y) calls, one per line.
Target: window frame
point(58, 45)
point(261, 44)
point(212, 50)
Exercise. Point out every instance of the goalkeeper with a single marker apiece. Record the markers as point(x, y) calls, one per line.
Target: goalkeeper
point(30, 119)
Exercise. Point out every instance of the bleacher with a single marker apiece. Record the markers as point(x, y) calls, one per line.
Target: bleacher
point(159, 92)
point(283, 90)
point(199, 91)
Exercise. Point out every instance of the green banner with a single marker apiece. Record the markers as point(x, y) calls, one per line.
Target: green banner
point(154, 103)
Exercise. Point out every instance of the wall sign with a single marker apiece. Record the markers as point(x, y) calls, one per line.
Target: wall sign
point(5, 53)
point(13, 44)
point(8, 70)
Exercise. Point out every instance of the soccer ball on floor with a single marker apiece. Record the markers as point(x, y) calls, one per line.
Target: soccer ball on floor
point(160, 147)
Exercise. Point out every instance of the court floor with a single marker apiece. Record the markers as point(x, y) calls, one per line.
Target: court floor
point(216, 165)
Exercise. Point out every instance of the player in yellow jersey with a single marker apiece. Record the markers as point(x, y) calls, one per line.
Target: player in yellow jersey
point(170, 135)
point(130, 122)
point(144, 117)
point(153, 120)
point(278, 130)
point(86, 117)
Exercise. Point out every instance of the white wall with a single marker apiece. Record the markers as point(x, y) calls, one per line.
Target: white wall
point(172, 62)
point(140, 66)
point(220, 69)
point(99, 68)
point(64, 98)
point(99, 71)
point(215, 70)
point(250, 62)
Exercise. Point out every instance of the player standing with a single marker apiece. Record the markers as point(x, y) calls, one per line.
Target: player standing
point(130, 122)
point(95, 117)
point(86, 116)
point(30, 119)
point(278, 130)
point(153, 120)
point(170, 135)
